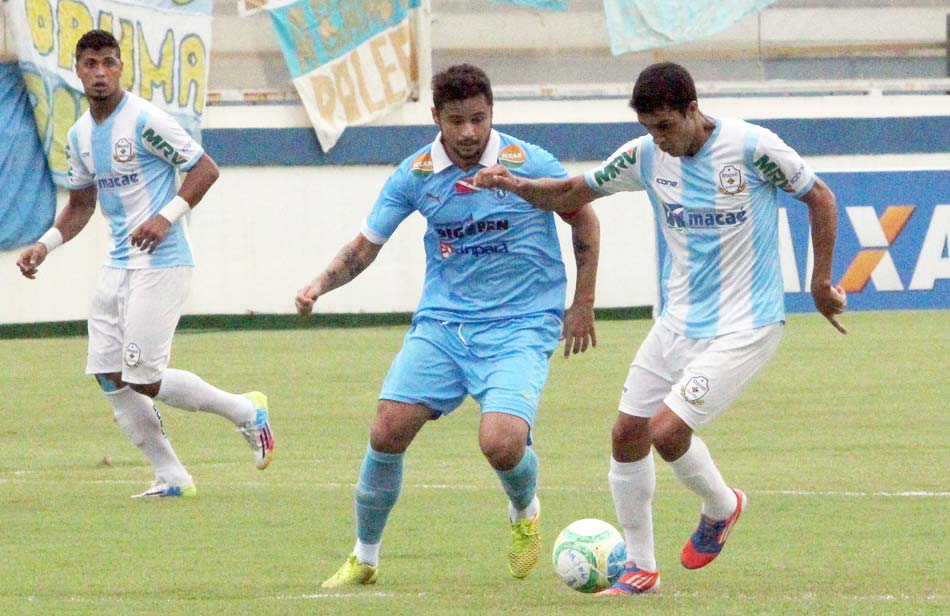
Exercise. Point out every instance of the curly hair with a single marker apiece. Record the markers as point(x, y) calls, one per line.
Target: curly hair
point(663, 86)
point(96, 40)
point(459, 82)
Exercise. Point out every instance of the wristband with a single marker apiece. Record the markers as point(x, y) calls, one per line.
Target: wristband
point(52, 239)
point(174, 209)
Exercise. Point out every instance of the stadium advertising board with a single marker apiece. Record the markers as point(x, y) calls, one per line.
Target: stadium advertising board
point(893, 248)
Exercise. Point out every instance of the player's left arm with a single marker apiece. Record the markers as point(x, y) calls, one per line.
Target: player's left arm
point(579, 330)
point(830, 300)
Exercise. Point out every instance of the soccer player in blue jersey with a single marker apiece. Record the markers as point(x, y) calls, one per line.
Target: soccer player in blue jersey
point(489, 318)
point(126, 153)
point(714, 185)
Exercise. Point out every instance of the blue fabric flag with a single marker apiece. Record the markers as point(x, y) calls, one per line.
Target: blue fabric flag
point(28, 198)
point(635, 25)
point(552, 5)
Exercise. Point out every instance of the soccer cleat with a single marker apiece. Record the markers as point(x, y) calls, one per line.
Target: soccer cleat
point(257, 431)
point(352, 573)
point(633, 581)
point(525, 546)
point(710, 536)
point(161, 489)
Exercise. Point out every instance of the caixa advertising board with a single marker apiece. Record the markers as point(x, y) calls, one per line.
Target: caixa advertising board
point(893, 247)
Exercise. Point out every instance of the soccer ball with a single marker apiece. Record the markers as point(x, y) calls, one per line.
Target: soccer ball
point(589, 555)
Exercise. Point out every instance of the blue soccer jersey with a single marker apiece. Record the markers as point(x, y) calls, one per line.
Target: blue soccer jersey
point(718, 214)
point(132, 158)
point(489, 254)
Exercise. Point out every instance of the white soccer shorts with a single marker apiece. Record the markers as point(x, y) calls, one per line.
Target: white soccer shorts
point(697, 378)
point(133, 319)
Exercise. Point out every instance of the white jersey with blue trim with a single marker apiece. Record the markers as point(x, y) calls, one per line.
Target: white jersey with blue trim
point(718, 214)
point(489, 253)
point(132, 158)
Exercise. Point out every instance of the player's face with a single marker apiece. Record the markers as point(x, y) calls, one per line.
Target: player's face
point(466, 127)
point(675, 132)
point(100, 72)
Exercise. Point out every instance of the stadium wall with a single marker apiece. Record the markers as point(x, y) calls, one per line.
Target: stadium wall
point(282, 209)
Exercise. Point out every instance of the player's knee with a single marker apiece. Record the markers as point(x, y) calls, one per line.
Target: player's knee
point(502, 453)
point(109, 382)
point(630, 430)
point(148, 389)
point(671, 436)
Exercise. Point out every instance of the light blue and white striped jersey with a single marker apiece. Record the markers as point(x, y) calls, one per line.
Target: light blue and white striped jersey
point(718, 214)
point(489, 254)
point(132, 158)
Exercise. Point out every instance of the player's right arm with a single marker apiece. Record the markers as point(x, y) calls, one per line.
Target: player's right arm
point(72, 220)
point(349, 263)
point(559, 195)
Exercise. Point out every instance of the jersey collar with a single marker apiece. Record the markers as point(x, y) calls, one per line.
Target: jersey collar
point(441, 160)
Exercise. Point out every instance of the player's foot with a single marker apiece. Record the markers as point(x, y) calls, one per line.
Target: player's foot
point(257, 431)
point(161, 489)
point(525, 546)
point(710, 536)
point(633, 581)
point(352, 573)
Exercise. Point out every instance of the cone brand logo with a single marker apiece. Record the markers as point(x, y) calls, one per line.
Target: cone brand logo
point(422, 166)
point(512, 156)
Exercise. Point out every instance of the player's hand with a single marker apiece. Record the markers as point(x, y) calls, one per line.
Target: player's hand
point(578, 332)
point(306, 298)
point(496, 176)
point(830, 302)
point(151, 233)
point(30, 259)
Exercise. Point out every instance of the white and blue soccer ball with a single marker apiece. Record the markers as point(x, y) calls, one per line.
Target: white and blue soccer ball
point(589, 555)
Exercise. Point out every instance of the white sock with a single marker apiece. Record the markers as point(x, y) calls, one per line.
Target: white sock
point(633, 485)
point(189, 392)
point(524, 514)
point(367, 552)
point(698, 472)
point(139, 419)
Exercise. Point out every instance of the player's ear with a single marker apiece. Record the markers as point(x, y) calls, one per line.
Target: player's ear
point(435, 116)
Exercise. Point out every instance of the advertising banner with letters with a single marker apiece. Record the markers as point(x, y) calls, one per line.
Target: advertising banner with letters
point(351, 61)
point(893, 247)
point(165, 46)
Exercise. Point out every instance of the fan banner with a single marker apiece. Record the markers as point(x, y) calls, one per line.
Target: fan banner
point(551, 5)
point(351, 61)
point(635, 25)
point(165, 46)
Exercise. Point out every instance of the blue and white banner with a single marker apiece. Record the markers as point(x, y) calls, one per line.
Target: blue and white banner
point(351, 61)
point(165, 46)
point(893, 248)
point(635, 25)
point(28, 198)
point(552, 5)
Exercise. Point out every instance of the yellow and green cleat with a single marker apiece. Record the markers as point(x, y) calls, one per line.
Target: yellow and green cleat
point(525, 546)
point(352, 573)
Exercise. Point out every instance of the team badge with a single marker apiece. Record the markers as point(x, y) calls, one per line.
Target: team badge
point(694, 389)
point(132, 355)
point(123, 151)
point(730, 180)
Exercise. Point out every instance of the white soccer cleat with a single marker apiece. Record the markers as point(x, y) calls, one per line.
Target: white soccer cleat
point(162, 489)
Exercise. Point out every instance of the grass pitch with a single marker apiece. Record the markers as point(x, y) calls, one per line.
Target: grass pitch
point(842, 444)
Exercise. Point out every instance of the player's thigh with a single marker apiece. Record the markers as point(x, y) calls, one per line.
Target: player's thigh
point(156, 299)
point(509, 364)
point(716, 375)
point(426, 370)
point(105, 322)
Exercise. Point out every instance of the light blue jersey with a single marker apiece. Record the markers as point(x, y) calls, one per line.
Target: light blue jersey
point(489, 254)
point(718, 214)
point(131, 158)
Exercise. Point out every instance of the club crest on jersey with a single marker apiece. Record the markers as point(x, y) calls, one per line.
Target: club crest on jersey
point(422, 166)
point(730, 180)
point(132, 355)
point(694, 389)
point(123, 151)
point(512, 156)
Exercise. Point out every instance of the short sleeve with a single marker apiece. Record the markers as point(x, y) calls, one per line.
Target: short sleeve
point(393, 205)
point(77, 173)
point(777, 163)
point(618, 173)
point(166, 139)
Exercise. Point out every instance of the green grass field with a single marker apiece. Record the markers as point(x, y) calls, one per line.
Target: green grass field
point(842, 444)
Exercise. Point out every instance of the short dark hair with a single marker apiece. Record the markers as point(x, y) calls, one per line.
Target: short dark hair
point(459, 82)
point(96, 40)
point(661, 86)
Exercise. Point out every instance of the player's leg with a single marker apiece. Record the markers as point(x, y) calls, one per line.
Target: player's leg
point(134, 413)
point(718, 370)
point(422, 384)
point(506, 372)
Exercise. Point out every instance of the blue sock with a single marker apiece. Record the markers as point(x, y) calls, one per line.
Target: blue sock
point(376, 493)
point(521, 482)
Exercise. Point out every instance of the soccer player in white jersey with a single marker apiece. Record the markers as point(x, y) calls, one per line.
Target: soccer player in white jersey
point(127, 152)
point(714, 185)
point(489, 317)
